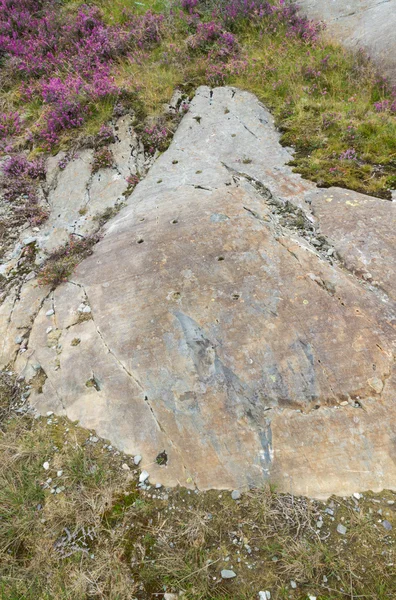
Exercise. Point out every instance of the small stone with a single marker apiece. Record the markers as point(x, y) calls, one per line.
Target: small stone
point(171, 596)
point(50, 312)
point(319, 524)
point(265, 595)
point(227, 574)
point(59, 473)
point(137, 459)
point(86, 309)
point(46, 466)
point(158, 486)
point(236, 494)
point(49, 413)
point(293, 585)
point(376, 384)
point(94, 439)
point(18, 340)
point(312, 597)
point(48, 330)
point(391, 502)
point(125, 467)
point(329, 511)
point(356, 495)
point(341, 529)
point(387, 525)
point(143, 476)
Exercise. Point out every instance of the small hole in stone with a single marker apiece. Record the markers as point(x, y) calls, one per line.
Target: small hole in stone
point(93, 383)
point(162, 458)
point(220, 258)
point(176, 295)
point(142, 219)
point(140, 241)
point(175, 221)
point(174, 162)
point(235, 296)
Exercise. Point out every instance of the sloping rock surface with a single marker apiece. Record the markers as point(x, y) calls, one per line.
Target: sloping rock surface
point(367, 24)
point(233, 315)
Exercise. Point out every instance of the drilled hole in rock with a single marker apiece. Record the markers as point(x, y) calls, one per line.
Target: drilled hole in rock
point(220, 258)
point(235, 296)
point(140, 241)
point(142, 219)
point(176, 295)
point(162, 458)
point(93, 383)
point(175, 221)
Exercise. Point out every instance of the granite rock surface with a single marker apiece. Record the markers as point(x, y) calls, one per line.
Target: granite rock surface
point(234, 319)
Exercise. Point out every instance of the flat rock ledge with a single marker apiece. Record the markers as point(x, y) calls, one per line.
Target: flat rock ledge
point(234, 320)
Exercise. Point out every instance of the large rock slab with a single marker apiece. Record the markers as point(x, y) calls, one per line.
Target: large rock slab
point(367, 24)
point(219, 320)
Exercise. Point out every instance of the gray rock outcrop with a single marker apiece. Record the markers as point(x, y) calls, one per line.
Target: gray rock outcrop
point(241, 321)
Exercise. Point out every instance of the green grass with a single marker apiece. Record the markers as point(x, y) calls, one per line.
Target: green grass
point(124, 542)
point(320, 116)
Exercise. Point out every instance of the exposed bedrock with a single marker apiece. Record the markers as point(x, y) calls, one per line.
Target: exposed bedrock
point(233, 315)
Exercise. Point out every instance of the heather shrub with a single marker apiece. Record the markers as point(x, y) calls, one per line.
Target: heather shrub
point(62, 262)
point(20, 182)
point(10, 124)
point(105, 136)
point(80, 50)
point(103, 158)
point(156, 137)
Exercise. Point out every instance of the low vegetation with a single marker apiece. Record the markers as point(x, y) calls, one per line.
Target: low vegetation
point(76, 525)
point(108, 58)
point(62, 262)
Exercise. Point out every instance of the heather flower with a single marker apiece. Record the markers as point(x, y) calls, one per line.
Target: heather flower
point(189, 5)
point(133, 180)
point(10, 124)
point(19, 166)
point(103, 158)
point(105, 136)
point(382, 106)
point(155, 138)
point(349, 154)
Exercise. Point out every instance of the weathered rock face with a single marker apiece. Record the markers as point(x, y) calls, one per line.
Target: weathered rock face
point(234, 316)
point(367, 24)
